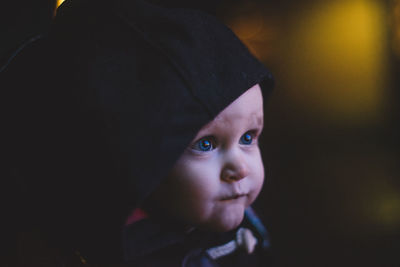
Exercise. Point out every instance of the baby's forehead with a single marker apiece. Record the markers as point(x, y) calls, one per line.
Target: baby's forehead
point(240, 118)
point(245, 112)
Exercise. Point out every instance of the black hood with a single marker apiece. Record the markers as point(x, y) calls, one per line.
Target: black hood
point(112, 96)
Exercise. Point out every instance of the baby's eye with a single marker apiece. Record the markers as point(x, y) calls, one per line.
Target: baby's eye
point(204, 144)
point(247, 138)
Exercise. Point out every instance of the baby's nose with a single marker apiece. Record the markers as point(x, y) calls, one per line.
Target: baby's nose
point(234, 169)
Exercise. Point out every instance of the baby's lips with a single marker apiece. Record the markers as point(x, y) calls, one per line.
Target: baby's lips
point(233, 196)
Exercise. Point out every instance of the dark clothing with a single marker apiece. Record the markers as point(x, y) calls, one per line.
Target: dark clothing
point(147, 243)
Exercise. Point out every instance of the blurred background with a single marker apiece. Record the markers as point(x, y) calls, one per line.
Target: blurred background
point(332, 191)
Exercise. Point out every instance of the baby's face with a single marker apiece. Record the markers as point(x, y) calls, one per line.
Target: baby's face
point(221, 172)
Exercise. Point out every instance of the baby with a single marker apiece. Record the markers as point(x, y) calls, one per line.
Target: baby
point(143, 130)
point(208, 189)
point(221, 172)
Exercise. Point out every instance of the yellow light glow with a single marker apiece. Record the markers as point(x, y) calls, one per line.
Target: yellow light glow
point(330, 56)
point(256, 33)
point(383, 205)
point(396, 27)
point(59, 2)
point(254, 28)
point(337, 62)
point(388, 209)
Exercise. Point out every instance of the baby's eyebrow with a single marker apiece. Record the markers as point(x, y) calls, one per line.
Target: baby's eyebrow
point(257, 119)
point(260, 120)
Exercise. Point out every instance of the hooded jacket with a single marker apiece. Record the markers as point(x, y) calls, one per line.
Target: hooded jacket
point(105, 104)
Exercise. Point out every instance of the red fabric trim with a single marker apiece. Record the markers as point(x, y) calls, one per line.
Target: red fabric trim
point(136, 215)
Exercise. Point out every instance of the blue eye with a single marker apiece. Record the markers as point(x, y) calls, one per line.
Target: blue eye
point(246, 139)
point(204, 144)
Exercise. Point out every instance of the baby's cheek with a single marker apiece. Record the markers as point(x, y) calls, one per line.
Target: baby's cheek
point(195, 192)
point(257, 178)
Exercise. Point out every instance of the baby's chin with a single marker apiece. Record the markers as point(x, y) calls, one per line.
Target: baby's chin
point(224, 221)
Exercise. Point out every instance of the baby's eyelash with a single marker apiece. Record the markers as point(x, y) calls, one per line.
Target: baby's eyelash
point(256, 132)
